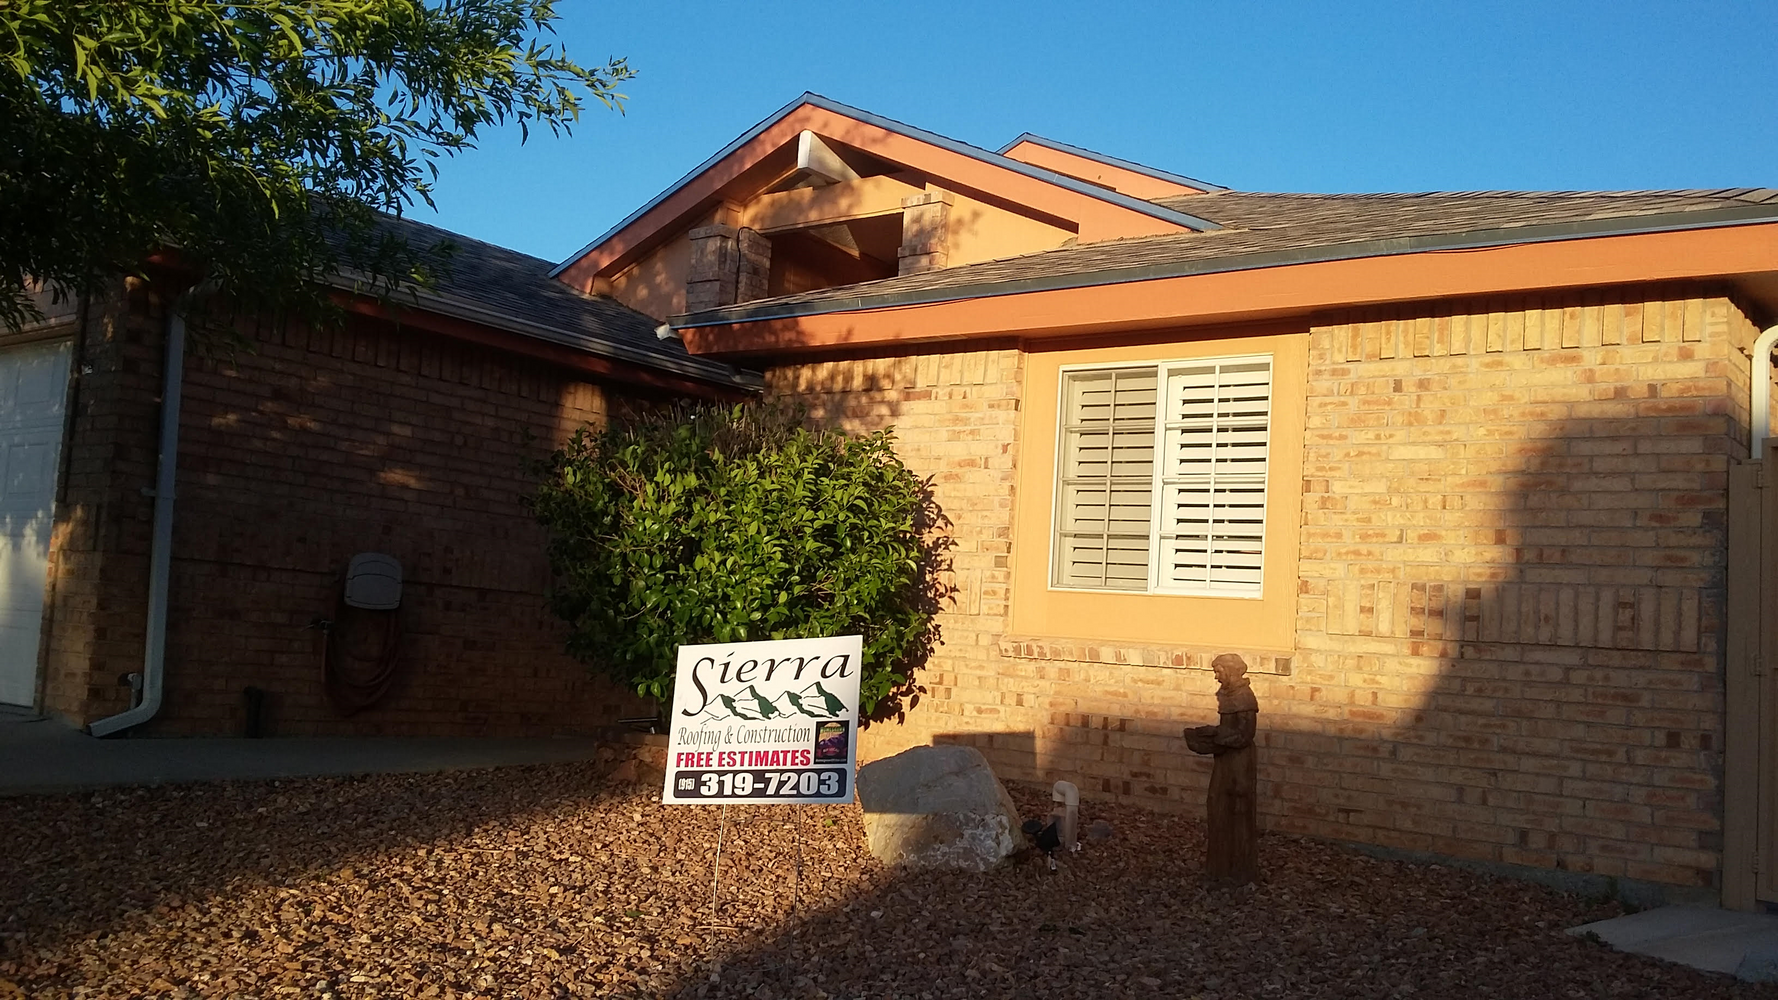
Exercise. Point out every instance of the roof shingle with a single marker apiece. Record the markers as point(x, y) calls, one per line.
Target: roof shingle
point(1256, 225)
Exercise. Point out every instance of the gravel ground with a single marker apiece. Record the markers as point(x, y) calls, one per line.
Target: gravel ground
point(547, 882)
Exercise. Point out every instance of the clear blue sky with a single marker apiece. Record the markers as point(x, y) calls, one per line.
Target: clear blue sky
point(1309, 96)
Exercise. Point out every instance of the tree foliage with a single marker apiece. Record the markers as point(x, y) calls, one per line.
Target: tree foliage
point(713, 524)
point(258, 140)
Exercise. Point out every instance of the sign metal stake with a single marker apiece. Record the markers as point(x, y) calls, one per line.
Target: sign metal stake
point(716, 869)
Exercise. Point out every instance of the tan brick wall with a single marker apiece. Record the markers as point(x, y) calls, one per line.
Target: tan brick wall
point(1512, 558)
point(1510, 603)
point(955, 417)
point(296, 452)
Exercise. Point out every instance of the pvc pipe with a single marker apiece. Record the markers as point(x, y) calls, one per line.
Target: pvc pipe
point(1761, 403)
point(160, 553)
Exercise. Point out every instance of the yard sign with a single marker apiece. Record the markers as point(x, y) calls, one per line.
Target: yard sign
point(765, 722)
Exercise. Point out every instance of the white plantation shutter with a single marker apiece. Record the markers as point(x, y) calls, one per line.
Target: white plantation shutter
point(1213, 515)
point(1106, 509)
point(1211, 420)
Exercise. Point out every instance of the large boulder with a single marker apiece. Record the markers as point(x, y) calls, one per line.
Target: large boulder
point(938, 807)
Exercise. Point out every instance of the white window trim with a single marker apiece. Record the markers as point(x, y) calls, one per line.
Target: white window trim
point(1155, 489)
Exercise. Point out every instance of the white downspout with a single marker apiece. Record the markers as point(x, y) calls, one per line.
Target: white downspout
point(160, 553)
point(1761, 403)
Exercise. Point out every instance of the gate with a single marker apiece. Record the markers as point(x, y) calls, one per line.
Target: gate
point(1750, 746)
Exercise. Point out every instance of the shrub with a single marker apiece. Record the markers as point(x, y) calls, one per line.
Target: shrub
point(729, 524)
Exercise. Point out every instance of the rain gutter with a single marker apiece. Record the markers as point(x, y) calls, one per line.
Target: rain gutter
point(1760, 405)
point(1395, 246)
point(160, 550)
point(712, 372)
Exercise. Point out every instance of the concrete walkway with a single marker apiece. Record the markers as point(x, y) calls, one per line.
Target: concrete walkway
point(1744, 945)
point(43, 756)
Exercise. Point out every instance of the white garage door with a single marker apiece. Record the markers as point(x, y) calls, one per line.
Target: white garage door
point(33, 385)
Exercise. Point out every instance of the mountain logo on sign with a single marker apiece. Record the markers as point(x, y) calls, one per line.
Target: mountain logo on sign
point(748, 705)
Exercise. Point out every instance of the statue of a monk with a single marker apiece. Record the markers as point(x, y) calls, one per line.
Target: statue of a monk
point(1233, 855)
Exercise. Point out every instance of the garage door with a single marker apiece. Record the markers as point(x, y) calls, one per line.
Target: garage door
point(33, 385)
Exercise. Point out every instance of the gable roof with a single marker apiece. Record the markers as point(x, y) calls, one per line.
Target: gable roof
point(1020, 183)
point(1259, 230)
point(511, 291)
point(1112, 166)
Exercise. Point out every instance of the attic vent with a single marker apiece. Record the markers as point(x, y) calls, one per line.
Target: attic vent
point(817, 165)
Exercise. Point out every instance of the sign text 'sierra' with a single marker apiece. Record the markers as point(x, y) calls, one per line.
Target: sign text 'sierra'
point(769, 721)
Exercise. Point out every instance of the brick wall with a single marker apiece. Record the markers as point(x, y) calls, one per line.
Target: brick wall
point(1510, 603)
point(1511, 606)
point(98, 560)
point(297, 451)
point(955, 417)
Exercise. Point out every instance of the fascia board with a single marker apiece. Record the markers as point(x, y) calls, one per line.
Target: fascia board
point(811, 99)
point(1398, 246)
point(1111, 161)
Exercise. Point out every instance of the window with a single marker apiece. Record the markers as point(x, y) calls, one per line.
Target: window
point(1161, 484)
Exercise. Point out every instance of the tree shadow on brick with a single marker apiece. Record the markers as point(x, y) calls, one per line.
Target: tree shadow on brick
point(310, 444)
point(1514, 546)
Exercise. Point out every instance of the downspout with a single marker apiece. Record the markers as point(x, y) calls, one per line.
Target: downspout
point(160, 553)
point(1761, 403)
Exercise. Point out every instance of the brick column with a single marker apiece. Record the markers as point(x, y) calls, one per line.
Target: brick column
point(711, 282)
point(728, 265)
point(753, 266)
point(925, 219)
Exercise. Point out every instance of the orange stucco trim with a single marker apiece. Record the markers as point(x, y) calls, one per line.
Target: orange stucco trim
point(1272, 292)
point(1130, 182)
point(1268, 621)
point(1095, 219)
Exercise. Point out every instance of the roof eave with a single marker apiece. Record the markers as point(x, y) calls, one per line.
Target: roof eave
point(699, 369)
point(1395, 246)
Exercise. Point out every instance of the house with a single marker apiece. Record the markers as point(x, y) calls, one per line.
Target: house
point(1473, 482)
point(1451, 471)
point(401, 431)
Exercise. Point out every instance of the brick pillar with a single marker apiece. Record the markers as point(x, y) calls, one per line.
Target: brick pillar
point(754, 265)
point(711, 282)
point(925, 219)
point(728, 265)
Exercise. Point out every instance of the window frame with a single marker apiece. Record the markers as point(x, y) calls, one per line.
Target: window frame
point(1158, 485)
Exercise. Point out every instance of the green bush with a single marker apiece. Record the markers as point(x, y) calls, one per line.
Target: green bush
point(729, 524)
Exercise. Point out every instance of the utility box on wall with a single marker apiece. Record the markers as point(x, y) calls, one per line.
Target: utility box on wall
point(373, 582)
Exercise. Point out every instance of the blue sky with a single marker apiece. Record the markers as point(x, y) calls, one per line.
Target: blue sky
point(1277, 96)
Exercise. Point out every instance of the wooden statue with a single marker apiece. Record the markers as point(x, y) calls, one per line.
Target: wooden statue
point(1233, 855)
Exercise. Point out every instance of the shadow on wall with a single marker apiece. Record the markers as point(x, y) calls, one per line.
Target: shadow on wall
point(1510, 616)
point(1533, 679)
point(320, 443)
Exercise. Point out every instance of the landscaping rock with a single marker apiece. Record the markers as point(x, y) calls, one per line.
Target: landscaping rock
point(1759, 965)
point(938, 807)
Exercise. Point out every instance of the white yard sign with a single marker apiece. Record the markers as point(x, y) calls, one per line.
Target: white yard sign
point(765, 722)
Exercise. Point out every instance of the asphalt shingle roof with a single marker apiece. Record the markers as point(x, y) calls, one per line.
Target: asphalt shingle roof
point(513, 291)
point(1262, 225)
